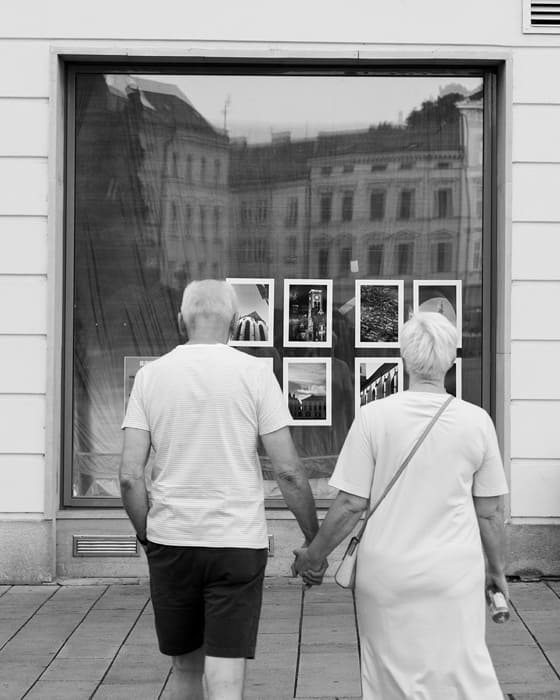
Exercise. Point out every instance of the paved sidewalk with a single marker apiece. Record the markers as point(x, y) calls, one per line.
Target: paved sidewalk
point(96, 641)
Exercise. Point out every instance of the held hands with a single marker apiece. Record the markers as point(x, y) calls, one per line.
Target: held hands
point(310, 570)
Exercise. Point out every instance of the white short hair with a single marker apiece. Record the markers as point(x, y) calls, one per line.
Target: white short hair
point(208, 298)
point(428, 345)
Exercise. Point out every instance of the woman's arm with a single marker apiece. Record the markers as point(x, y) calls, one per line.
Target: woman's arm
point(490, 514)
point(341, 519)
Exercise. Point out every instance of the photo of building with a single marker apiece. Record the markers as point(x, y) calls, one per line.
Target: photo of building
point(307, 388)
point(255, 325)
point(307, 313)
point(377, 378)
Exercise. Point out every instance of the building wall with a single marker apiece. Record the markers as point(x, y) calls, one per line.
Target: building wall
point(529, 398)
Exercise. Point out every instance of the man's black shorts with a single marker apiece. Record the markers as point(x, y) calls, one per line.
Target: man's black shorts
point(206, 597)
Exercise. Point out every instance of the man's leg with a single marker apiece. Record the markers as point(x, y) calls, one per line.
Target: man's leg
point(186, 679)
point(224, 678)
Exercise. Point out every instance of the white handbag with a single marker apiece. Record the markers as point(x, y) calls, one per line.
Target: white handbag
point(345, 575)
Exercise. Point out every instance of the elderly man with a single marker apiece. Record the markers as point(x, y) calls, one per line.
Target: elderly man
point(201, 408)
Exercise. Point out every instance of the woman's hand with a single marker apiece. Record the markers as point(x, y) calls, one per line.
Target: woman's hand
point(499, 581)
point(310, 570)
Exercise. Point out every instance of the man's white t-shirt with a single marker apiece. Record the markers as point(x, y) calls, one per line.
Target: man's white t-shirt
point(205, 406)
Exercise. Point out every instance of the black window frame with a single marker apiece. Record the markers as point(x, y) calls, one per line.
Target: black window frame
point(488, 69)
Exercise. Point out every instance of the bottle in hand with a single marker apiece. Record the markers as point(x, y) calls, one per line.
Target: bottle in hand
point(497, 605)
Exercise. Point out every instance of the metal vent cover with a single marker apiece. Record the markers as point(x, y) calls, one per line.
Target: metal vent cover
point(541, 16)
point(104, 546)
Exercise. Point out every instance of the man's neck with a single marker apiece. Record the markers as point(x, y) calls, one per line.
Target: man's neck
point(208, 332)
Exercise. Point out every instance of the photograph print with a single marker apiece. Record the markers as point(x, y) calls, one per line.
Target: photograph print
point(379, 313)
point(375, 378)
point(255, 326)
point(308, 313)
point(307, 389)
point(442, 296)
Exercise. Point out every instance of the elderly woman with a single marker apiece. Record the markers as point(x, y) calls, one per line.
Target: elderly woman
point(420, 576)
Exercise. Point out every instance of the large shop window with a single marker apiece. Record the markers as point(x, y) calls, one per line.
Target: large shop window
point(337, 201)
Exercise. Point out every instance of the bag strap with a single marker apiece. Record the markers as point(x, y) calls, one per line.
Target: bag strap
point(403, 466)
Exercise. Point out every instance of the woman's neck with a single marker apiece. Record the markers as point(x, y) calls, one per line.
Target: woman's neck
point(431, 386)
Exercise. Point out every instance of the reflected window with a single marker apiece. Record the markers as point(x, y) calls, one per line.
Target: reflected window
point(378, 167)
point(292, 213)
point(375, 260)
point(348, 168)
point(477, 255)
point(175, 166)
point(188, 219)
point(262, 211)
point(407, 165)
point(443, 203)
point(217, 215)
point(442, 256)
point(326, 208)
point(326, 170)
point(203, 169)
point(323, 263)
point(291, 249)
point(347, 206)
point(377, 205)
point(217, 172)
point(344, 261)
point(245, 213)
point(202, 221)
point(188, 168)
point(478, 204)
point(406, 205)
point(404, 253)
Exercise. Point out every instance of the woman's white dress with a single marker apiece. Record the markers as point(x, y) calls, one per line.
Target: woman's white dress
point(420, 572)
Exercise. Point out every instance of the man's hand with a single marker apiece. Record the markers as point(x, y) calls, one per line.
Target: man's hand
point(311, 571)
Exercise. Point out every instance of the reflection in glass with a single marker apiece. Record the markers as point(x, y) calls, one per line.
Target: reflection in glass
point(320, 178)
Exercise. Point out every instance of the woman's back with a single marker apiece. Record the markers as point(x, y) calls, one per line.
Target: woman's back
point(425, 531)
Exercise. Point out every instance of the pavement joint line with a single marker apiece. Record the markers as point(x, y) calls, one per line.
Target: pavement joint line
point(115, 657)
point(31, 616)
point(162, 691)
point(355, 607)
point(65, 640)
point(300, 632)
point(9, 588)
point(556, 593)
point(539, 645)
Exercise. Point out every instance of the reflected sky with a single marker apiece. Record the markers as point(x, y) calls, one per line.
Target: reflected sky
point(258, 106)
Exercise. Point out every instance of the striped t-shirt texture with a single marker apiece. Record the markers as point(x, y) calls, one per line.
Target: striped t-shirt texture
point(205, 406)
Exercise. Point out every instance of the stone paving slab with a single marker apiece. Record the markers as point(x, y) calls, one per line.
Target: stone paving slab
point(97, 642)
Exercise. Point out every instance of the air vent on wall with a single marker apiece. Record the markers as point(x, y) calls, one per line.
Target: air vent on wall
point(104, 546)
point(541, 16)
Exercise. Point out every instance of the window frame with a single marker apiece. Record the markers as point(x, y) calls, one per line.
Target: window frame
point(488, 69)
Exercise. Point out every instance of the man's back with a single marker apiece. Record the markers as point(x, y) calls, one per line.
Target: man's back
point(205, 405)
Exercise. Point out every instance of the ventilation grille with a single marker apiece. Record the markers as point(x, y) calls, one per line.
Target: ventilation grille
point(115, 546)
point(541, 16)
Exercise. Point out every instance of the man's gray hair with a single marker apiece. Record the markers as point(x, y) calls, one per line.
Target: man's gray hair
point(428, 345)
point(207, 298)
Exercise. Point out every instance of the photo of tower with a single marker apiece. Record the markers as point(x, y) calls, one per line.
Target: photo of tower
point(308, 313)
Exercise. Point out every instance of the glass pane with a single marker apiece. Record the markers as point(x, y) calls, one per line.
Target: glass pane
point(301, 185)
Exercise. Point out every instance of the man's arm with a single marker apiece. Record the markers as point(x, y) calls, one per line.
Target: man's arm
point(135, 453)
point(292, 482)
point(341, 519)
point(490, 514)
